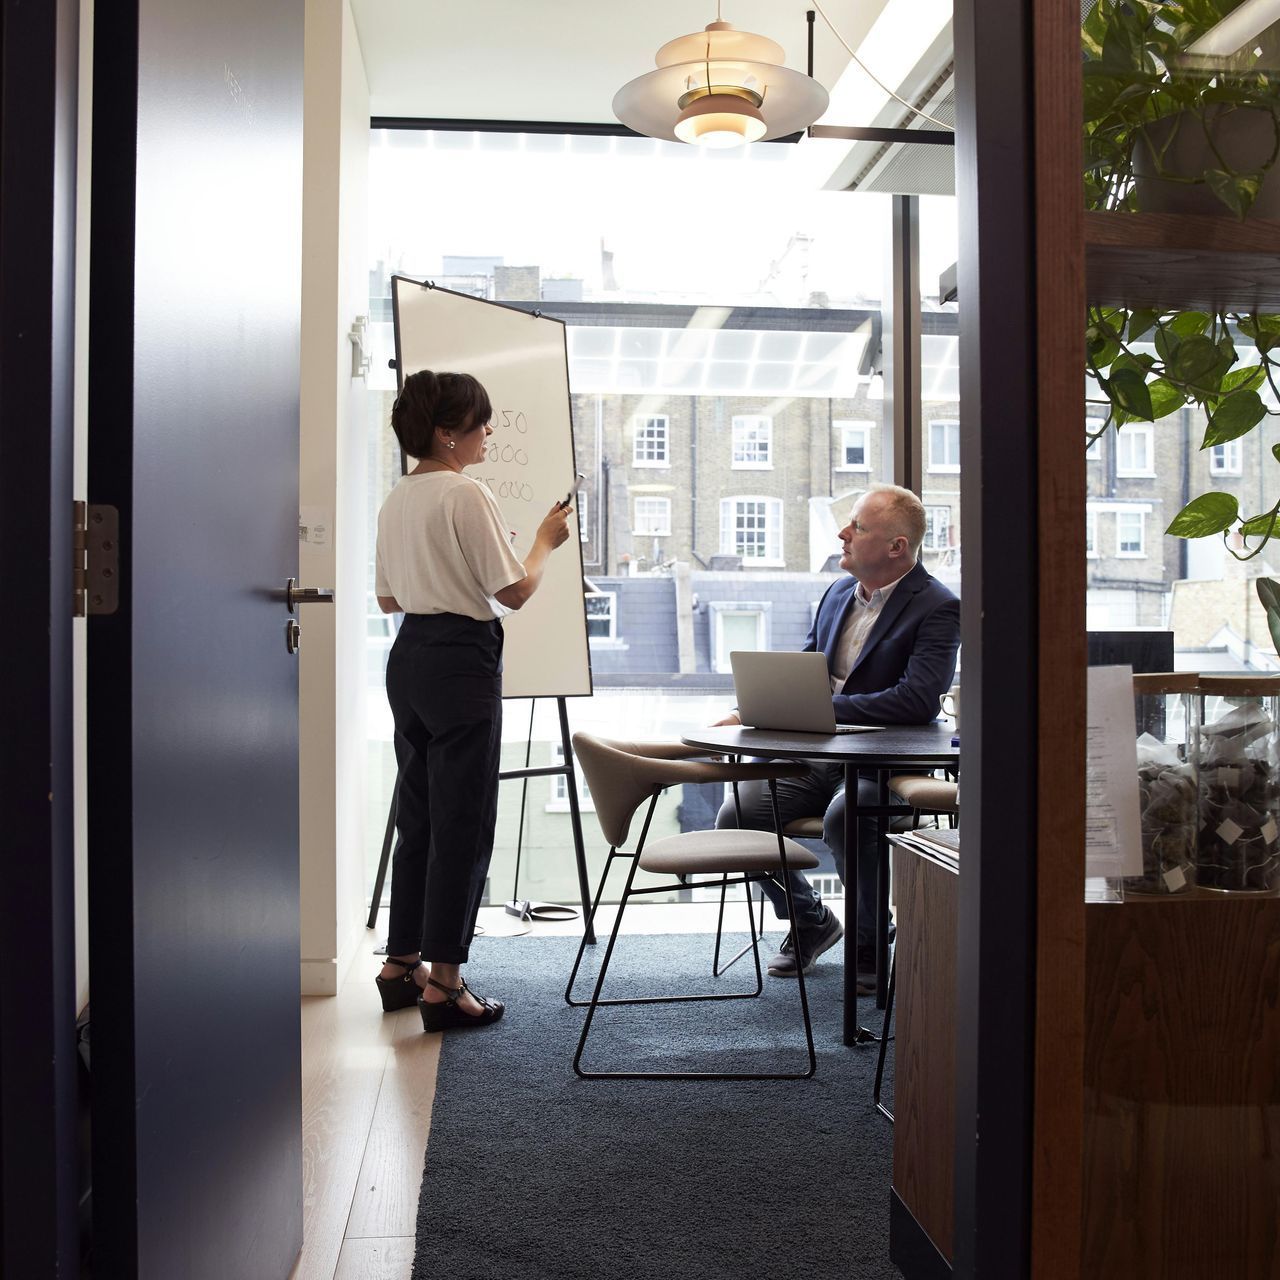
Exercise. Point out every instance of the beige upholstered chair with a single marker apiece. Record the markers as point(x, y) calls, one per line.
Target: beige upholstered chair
point(625, 777)
point(927, 794)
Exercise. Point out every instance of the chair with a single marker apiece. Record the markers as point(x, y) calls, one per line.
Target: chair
point(806, 829)
point(622, 777)
point(659, 751)
point(925, 794)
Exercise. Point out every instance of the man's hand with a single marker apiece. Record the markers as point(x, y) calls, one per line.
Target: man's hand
point(731, 718)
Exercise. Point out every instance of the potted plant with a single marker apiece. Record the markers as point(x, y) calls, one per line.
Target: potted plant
point(1158, 121)
point(1171, 132)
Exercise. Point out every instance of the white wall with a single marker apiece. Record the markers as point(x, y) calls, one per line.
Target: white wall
point(335, 290)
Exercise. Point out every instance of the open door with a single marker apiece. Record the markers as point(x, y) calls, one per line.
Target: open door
point(38, 1173)
point(192, 716)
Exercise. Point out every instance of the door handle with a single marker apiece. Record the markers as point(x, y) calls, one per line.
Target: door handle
point(294, 594)
point(292, 636)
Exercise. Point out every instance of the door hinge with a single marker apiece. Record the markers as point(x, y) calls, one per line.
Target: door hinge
point(95, 567)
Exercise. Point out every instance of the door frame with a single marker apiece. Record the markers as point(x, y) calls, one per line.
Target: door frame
point(39, 1166)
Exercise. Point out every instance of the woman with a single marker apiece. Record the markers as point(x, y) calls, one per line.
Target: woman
point(445, 561)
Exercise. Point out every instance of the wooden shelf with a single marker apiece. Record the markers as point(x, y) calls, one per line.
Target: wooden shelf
point(1195, 894)
point(1182, 261)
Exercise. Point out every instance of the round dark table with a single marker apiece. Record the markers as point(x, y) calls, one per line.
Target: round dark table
point(884, 750)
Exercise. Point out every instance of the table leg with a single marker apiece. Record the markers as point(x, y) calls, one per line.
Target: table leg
point(882, 891)
point(850, 1035)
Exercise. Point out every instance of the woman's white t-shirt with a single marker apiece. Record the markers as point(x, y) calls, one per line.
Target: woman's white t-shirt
point(443, 547)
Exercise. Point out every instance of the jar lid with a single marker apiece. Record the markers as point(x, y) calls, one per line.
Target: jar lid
point(1166, 682)
point(1242, 686)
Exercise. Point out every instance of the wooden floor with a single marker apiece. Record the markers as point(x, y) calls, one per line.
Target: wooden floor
point(368, 1083)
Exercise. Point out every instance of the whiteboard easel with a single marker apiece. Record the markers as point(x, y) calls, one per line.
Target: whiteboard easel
point(521, 359)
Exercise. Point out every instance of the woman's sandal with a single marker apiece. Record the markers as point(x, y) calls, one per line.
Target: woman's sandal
point(401, 992)
point(447, 1016)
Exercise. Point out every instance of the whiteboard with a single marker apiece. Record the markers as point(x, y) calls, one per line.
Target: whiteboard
point(522, 361)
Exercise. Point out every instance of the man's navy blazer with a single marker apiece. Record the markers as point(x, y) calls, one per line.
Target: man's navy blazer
point(908, 660)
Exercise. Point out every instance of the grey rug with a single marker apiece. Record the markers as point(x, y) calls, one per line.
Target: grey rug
point(531, 1172)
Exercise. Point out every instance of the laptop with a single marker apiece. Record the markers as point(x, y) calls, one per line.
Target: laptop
point(787, 691)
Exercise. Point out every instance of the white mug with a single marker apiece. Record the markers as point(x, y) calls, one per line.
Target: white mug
point(950, 705)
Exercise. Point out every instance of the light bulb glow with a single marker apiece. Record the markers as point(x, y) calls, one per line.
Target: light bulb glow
point(720, 120)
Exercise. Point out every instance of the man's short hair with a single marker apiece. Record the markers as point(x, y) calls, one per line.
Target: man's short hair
point(906, 514)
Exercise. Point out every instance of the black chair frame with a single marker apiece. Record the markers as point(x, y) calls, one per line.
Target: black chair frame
point(629, 891)
point(717, 969)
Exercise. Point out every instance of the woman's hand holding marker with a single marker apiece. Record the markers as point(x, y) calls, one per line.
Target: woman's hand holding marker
point(554, 528)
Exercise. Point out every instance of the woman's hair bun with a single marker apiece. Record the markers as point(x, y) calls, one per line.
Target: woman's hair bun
point(427, 401)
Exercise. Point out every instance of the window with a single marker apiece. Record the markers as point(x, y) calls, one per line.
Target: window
point(1131, 533)
point(1091, 534)
point(752, 443)
point(580, 502)
point(653, 516)
point(651, 442)
point(559, 801)
point(855, 446)
point(1225, 459)
point(937, 528)
point(944, 445)
point(1134, 449)
point(828, 886)
point(736, 625)
point(602, 615)
point(1093, 448)
point(751, 528)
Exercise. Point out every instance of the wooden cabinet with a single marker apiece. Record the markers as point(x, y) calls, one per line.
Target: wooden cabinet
point(1181, 1177)
point(1182, 1088)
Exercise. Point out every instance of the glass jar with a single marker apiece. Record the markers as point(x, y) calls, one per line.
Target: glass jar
point(1167, 715)
point(1239, 846)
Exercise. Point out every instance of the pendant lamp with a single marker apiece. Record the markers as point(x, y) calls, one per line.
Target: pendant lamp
point(720, 88)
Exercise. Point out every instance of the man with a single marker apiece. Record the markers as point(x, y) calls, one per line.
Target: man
point(890, 633)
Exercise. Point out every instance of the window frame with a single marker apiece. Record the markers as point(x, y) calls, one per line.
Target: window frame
point(848, 427)
point(1093, 450)
point(1134, 431)
point(929, 510)
point(1141, 553)
point(745, 423)
point(1091, 549)
point(640, 424)
point(636, 530)
point(612, 615)
point(558, 799)
point(773, 530)
point(945, 468)
point(718, 611)
point(1230, 449)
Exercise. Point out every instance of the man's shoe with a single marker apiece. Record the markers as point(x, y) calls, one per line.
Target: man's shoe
point(813, 942)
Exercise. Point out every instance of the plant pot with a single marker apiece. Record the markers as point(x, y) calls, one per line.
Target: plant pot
point(1244, 136)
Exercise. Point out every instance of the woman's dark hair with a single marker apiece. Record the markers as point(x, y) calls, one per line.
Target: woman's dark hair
point(453, 401)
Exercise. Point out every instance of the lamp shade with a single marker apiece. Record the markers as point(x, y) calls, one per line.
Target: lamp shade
point(720, 120)
point(720, 87)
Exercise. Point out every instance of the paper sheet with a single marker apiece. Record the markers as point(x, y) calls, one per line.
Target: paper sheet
point(1113, 843)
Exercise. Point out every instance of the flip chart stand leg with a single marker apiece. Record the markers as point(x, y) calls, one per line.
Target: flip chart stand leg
point(387, 838)
point(524, 796)
point(567, 771)
point(578, 851)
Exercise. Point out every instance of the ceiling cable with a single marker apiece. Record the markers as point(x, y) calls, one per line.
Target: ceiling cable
point(924, 115)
